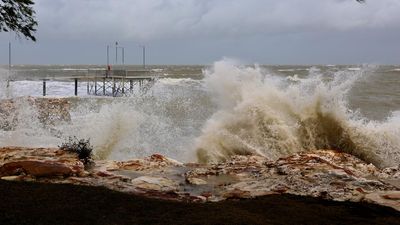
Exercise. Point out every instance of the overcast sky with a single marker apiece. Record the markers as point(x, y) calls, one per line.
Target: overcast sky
point(203, 31)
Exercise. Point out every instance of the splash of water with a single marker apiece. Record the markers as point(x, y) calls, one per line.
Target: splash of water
point(164, 120)
point(21, 125)
point(5, 88)
point(252, 112)
point(259, 113)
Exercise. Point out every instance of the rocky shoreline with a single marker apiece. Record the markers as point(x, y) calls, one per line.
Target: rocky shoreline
point(325, 174)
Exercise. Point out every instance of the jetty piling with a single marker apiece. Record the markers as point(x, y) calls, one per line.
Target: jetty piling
point(44, 87)
point(76, 86)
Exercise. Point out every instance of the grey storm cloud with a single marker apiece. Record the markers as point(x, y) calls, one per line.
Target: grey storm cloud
point(160, 19)
point(203, 31)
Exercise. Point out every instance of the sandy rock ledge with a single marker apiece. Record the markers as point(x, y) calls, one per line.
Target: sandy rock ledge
point(324, 173)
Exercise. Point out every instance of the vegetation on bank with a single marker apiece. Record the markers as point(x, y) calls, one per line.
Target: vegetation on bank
point(82, 147)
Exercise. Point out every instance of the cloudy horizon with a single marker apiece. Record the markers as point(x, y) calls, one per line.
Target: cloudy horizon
point(201, 32)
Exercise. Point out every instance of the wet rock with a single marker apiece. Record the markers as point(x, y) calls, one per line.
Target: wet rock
point(196, 181)
point(39, 162)
point(153, 162)
point(35, 168)
point(386, 198)
point(324, 173)
point(391, 172)
point(155, 184)
point(11, 178)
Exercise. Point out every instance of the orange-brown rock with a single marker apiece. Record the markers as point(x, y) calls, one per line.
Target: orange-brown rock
point(386, 198)
point(35, 168)
point(324, 173)
point(39, 162)
point(154, 162)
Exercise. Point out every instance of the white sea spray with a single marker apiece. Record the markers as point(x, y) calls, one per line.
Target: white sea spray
point(235, 109)
point(260, 113)
point(5, 88)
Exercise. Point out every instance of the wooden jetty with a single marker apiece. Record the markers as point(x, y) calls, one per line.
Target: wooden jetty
point(109, 82)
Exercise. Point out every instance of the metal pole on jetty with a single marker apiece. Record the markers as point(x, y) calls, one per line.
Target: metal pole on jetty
point(104, 86)
point(9, 56)
point(116, 52)
point(122, 53)
point(123, 56)
point(144, 55)
point(95, 86)
point(44, 87)
point(130, 85)
point(76, 86)
point(9, 64)
point(108, 55)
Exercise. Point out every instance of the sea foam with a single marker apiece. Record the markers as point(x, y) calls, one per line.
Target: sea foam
point(235, 109)
point(264, 114)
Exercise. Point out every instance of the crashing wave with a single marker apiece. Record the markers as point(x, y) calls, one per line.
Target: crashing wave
point(259, 113)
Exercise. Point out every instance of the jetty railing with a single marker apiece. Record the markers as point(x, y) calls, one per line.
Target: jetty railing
point(108, 82)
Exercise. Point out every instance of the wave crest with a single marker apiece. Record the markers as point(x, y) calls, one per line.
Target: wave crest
point(264, 114)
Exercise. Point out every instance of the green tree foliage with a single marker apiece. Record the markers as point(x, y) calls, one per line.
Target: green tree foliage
point(18, 16)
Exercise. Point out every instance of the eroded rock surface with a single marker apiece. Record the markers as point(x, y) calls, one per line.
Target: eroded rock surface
point(38, 162)
point(324, 173)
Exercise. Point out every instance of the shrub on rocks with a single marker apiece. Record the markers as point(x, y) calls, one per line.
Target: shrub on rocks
point(82, 147)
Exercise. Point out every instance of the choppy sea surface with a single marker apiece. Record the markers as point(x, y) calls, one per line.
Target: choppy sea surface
point(208, 113)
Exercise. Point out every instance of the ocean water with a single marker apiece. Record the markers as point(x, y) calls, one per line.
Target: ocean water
point(209, 113)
